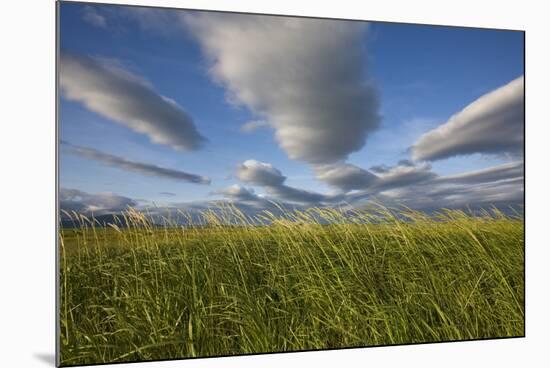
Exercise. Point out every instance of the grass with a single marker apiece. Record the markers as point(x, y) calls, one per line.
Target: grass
point(304, 280)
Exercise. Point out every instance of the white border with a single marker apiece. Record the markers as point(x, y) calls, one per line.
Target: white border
point(27, 147)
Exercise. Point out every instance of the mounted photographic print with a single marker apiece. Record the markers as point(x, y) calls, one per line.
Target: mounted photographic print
point(233, 183)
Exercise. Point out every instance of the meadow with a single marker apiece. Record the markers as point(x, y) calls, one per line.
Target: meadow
point(316, 279)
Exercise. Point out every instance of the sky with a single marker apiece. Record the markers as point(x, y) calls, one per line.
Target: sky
point(187, 109)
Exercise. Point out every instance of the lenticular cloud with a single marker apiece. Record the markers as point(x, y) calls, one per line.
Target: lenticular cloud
point(492, 124)
point(306, 77)
point(127, 99)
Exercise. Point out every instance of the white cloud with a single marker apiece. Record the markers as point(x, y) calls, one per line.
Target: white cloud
point(259, 173)
point(164, 22)
point(237, 192)
point(345, 177)
point(306, 77)
point(407, 183)
point(134, 166)
point(500, 185)
point(493, 124)
point(403, 174)
point(434, 196)
point(92, 16)
point(127, 99)
point(296, 195)
point(98, 203)
point(254, 125)
point(506, 171)
point(265, 175)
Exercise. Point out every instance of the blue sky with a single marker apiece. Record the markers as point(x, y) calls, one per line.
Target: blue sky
point(420, 76)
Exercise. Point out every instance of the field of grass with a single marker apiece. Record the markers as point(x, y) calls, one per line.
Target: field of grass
point(306, 280)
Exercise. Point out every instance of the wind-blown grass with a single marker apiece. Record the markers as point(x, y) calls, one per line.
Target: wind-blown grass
point(306, 280)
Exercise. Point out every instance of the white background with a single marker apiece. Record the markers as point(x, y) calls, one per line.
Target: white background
point(27, 253)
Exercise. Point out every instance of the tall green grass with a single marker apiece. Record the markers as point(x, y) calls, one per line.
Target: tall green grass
point(305, 280)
